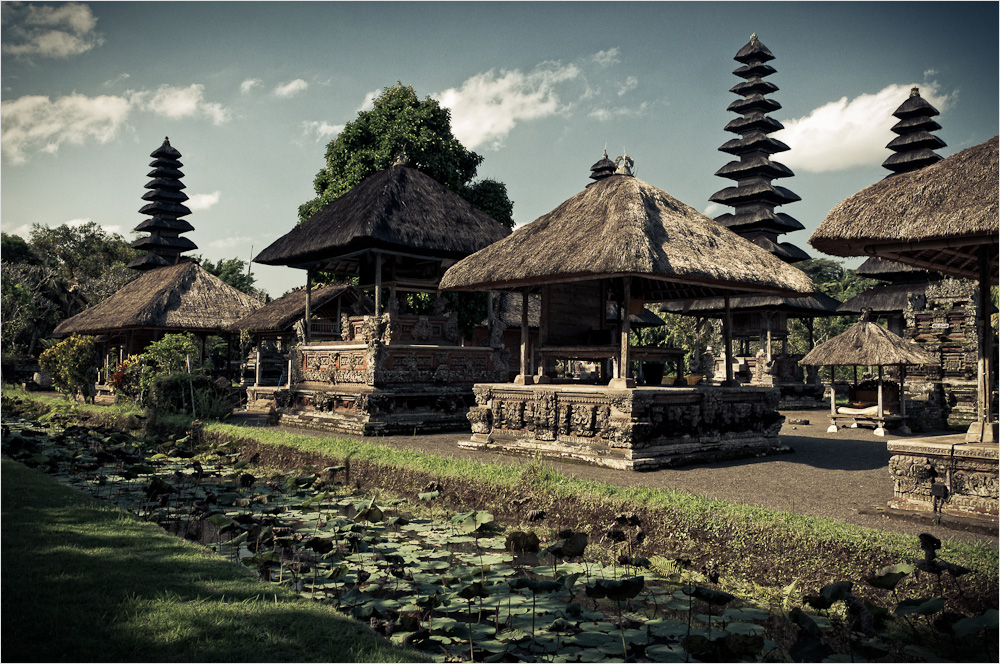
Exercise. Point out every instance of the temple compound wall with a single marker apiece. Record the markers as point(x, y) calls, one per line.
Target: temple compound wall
point(392, 374)
point(942, 320)
point(633, 429)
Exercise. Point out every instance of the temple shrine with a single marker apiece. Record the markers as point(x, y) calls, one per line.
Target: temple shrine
point(626, 242)
point(389, 366)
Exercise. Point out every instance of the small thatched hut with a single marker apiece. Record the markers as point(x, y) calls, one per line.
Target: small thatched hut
point(176, 298)
point(869, 345)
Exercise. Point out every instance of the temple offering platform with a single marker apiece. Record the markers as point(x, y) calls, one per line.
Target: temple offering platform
point(944, 474)
point(633, 429)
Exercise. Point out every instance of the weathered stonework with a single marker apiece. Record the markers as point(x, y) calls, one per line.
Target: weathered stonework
point(393, 374)
point(639, 429)
point(946, 475)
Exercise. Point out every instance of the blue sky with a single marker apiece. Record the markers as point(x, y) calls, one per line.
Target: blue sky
point(250, 93)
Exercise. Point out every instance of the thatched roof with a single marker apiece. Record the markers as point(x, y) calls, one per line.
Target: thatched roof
point(399, 209)
point(938, 217)
point(867, 344)
point(882, 299)
point(182, 297)
point(879, 268)
point(281, 314)
point(812, 306)
point(621, 226)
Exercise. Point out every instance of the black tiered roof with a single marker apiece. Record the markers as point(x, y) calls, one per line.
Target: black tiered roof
point(754, 197)
point(914, 144)
point(163, 245)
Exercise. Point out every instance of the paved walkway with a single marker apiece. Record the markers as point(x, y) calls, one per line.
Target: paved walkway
point(841, 476)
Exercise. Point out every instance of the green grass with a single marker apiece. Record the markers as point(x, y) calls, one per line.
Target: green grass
point(87, 582)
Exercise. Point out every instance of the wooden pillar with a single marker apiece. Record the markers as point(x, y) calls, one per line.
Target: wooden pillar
point(881, 404)
point(256, 370)
point(984, 429)
point(524, 376)
point(308, 326)
point(626, 370)
point(902, 390)
point(378, 285)
point(727, 333)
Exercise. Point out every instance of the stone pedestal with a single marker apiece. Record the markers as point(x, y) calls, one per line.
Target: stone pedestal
point(944, 474)
point(634, 429)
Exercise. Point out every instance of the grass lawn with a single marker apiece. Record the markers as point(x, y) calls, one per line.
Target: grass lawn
point(83, 581)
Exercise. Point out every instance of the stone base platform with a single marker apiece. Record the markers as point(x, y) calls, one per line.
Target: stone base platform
point(632, 429)
point(369, 411)
point(945, 474)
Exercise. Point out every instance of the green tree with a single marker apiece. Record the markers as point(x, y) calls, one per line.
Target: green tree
point(400, 123)
point(14, 249)
point(233, 271)
point(831, 278)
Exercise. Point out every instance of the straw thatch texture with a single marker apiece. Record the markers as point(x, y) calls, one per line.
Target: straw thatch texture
point(878, 268)
point(177, 297)
point(952, 202)
point(279, 315)
point(621, 226)
point(398, 209)
point(811, 306)
point(867, 344)
point(884, 298)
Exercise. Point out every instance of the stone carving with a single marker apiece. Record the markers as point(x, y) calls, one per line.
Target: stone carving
point(480, 419)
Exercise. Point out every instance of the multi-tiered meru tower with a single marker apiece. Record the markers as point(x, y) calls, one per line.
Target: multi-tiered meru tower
point(166, 206)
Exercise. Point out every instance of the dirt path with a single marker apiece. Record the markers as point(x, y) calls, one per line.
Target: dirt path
point(842, 476)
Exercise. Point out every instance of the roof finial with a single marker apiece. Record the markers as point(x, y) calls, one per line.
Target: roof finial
point(402, 159)
point(914, 91)
point(624, 164)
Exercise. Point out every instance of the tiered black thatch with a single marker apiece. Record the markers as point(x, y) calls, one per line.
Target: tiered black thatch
point(163, 244)
point(754, 197)
point(914, 146)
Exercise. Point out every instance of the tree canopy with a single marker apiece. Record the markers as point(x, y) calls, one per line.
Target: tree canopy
point(400, 123)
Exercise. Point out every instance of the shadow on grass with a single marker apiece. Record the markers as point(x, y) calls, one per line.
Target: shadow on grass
point(83, 581)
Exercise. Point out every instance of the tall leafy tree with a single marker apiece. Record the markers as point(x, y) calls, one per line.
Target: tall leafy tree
point(400, 123)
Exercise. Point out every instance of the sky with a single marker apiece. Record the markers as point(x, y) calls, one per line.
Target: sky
point(251, 93)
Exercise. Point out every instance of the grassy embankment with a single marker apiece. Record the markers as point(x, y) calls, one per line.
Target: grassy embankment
point(83, 581)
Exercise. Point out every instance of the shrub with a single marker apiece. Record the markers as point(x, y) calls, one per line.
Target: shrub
point(134, 378)
point(188, 393)
point(72, 363)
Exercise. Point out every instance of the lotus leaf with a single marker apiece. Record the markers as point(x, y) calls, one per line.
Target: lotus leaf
point(923, 607)
point(969, 626)
point(888, 577)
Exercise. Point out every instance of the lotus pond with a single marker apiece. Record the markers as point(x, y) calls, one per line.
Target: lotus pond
point(460, 586)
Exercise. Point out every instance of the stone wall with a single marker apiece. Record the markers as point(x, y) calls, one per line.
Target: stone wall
point(944, 475)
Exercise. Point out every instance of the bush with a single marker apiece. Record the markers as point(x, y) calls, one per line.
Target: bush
point(134, 378)
point(189, 393)
point(72, 363)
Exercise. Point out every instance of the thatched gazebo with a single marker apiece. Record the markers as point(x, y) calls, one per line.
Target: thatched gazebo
point(177, 298)
point(394, 369)
point(626, 241)
point(869, 345)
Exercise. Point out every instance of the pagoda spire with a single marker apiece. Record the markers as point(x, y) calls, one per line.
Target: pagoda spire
point(163, 245)
point(754, 197)
point(914, 144)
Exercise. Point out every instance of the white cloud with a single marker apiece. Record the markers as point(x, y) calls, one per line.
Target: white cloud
point(291, 88)
point(36, 123)
point(844, 134)
point(323, 131)
point(488, 106)
point(229, 242)
point(713, 210)
point(48, 31)
point(203, 201)
point(116, 80)
point(605, 114)
point(176, 103)
point(609, 57)
point(249, 84)
point(369, 102)
point(631, 83)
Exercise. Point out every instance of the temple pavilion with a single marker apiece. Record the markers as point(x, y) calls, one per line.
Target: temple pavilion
point(760, 323)
point(390, 368)
point(624, 241)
